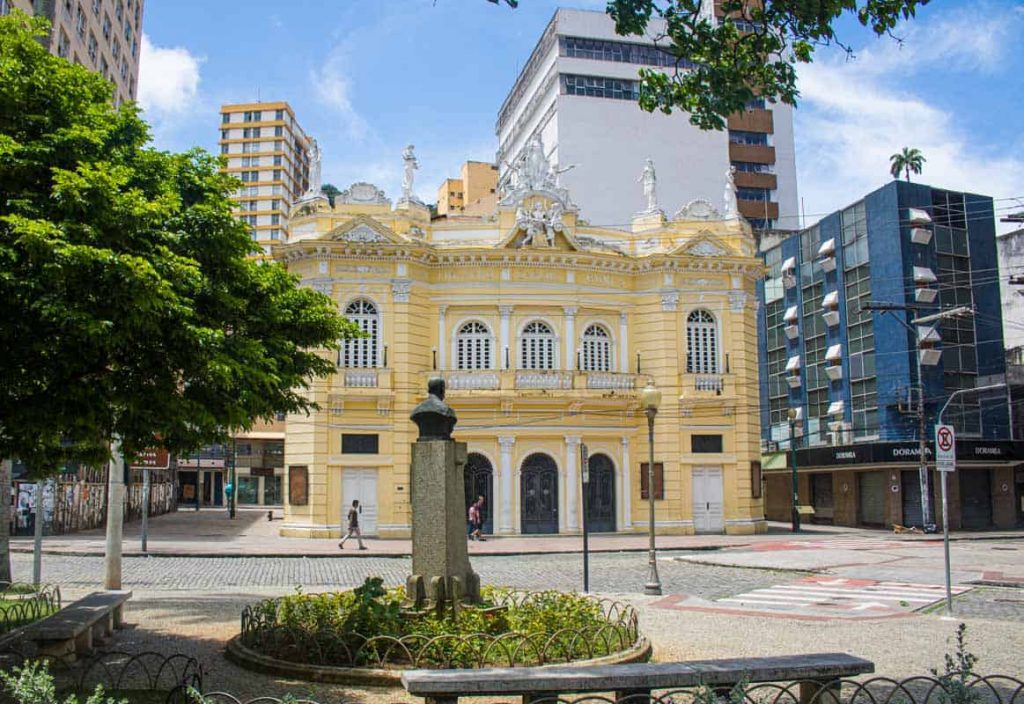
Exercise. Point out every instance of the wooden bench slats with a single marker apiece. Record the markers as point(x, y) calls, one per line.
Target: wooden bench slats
point(636, 676)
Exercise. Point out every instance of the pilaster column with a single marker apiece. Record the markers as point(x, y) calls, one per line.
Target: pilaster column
point(442, 335)
point(626, 486)
point(504, 334)
point(570, 337)
point(624, 345)
point(572, 453)
point(505, 516)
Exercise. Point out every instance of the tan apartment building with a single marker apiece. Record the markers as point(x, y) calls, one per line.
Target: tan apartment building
point(102, 35)
point(474, 193)
point(267, 150)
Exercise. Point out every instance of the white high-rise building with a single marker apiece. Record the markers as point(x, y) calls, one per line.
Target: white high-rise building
point(578, 90)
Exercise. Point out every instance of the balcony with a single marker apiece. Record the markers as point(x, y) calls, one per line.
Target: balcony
point(531, 379)
point(705, 386)
point(610, 381)
point(466, 380)
point(373, 378)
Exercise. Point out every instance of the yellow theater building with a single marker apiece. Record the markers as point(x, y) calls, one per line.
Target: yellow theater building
point(546, 329)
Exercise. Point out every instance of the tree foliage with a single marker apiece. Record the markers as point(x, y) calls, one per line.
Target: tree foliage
point(752, 50)
point(906, 160)
point(330, 190)
point(131, 306)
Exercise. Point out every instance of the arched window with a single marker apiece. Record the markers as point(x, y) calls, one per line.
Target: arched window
point(701, 343)
point(362, 351)
point(537, 347)
point(473, 346)
point(597, 349)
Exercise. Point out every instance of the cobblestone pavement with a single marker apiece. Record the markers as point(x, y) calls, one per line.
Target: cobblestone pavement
point(620, 573)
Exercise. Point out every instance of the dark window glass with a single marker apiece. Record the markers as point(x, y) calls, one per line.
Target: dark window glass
point(705, 443)
point(359, 444)
point(659, 480)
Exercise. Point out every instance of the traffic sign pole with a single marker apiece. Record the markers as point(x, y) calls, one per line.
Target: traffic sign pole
point(945, 462)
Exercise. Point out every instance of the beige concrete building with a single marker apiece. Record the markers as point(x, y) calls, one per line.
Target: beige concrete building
point(474, 193)
point(269, 152)
point(103, 35)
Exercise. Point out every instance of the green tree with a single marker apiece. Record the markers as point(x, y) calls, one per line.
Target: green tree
point(330, 190)
point(131, 307)
point(752, 51)
point(905, 161)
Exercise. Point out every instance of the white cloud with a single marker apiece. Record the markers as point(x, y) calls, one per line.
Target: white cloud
point(168, 80)
point(332, 85)
point(854, 114)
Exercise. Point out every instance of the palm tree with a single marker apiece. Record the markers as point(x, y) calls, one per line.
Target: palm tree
point(910, 159)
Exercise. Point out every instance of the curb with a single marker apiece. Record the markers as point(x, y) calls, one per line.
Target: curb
point(375, 677)
point(359, 556)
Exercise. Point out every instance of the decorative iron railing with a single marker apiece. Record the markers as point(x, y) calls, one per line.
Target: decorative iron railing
point(611, 380)
point(262, 632)
point(472, 380)
point(21, 604)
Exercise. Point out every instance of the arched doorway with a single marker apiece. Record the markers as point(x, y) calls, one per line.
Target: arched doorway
point(538, 495)
point(479, 481)
point(601, 495)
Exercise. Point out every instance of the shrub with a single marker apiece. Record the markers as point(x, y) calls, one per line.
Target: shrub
point(367, 626)
point(33, 684)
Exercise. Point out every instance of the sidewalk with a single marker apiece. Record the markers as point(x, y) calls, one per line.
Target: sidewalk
point(211, 533)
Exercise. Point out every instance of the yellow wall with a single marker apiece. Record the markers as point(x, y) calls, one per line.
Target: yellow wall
point(427, 279)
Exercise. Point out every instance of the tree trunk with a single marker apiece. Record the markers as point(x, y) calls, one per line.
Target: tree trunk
point(5, 521)
point(115, 518)
point(37, 541)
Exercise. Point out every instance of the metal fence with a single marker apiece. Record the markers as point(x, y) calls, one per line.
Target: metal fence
point(21, 604)
point(263, 631)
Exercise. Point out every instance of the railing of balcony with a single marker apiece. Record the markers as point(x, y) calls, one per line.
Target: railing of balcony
point(543, 379)
point(361, 378)
point(611, 380)
point(709, 382)
point(467, 380)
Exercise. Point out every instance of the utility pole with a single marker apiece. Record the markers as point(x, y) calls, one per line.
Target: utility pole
point(927, 518)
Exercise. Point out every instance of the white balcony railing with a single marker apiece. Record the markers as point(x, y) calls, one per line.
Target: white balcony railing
point(709, 382)
point(611, 380)
point(472, 380)
point(361, 378)
point(542, 379)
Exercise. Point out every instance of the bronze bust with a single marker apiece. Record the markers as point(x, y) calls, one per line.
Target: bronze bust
point(434, 418)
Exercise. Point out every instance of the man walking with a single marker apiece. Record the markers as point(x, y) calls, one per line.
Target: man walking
point(353, 526)
point(476, 520)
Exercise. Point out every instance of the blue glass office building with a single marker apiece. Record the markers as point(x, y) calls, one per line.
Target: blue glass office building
point(850, 375)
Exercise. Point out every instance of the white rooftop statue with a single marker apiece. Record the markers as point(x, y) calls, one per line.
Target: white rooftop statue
point(731, 210)
point(410, 166)
point(315, 183)
point(532, 172)
point(650, 181)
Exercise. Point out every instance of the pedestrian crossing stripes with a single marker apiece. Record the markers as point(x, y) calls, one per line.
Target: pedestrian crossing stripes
point(841, 595)
point(844, 544)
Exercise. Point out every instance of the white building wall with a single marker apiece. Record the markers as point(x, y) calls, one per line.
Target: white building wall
point(1011, 263)
point(609, 139)
point(610, 146)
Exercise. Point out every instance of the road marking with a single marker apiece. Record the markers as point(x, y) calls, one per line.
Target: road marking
point(835, 596)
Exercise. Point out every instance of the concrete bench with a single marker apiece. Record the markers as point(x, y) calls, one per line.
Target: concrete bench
point(815, 673)
point(72, 630)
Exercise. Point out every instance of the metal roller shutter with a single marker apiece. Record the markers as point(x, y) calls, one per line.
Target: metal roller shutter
point(871, 498)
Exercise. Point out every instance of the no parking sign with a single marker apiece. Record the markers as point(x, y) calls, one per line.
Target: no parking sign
point(945, 448)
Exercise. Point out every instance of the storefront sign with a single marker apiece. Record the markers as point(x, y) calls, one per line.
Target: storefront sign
point(205, 463)
point(154, 458)
point(907, 452)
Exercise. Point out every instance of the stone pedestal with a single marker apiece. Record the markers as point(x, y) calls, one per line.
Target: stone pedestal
point(647, 220)
point(441, 573)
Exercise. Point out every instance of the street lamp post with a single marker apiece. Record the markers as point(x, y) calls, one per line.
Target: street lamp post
point(585, 478)
point(651, 399)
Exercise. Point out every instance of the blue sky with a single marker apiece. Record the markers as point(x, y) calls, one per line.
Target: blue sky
point(367, 77)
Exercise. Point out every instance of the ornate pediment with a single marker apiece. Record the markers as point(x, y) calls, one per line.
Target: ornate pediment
point(704, 244)
point(531, 174)
point(539, 225)
point(363, 230)
point(362, 193)
point(697, 209)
